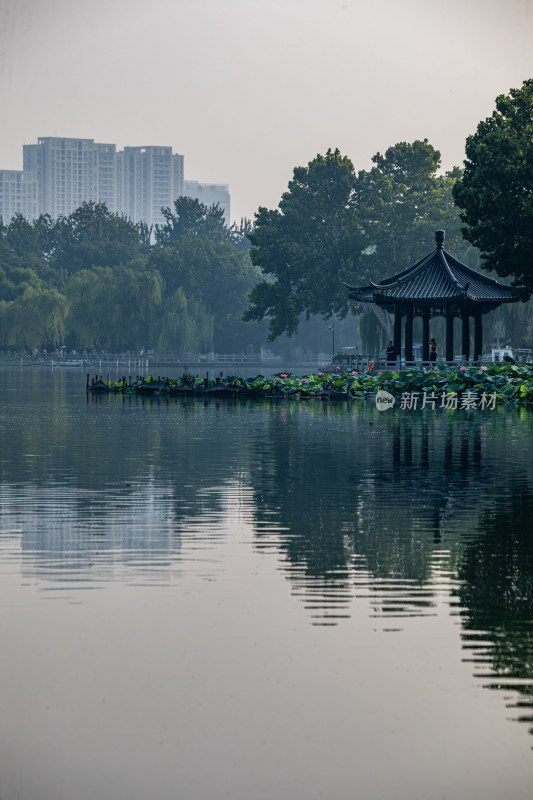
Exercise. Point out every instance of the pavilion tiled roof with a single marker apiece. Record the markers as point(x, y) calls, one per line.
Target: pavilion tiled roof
point(437, 279)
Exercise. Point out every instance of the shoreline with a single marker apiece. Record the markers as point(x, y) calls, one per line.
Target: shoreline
point(451, 386)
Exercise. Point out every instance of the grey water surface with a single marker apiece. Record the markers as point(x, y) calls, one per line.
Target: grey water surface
point(262, 599)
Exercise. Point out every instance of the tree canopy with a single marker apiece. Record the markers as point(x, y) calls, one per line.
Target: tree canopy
point(94, 280)
point(191, 218)
point(496, 190)
point(307, 246)
point(401, 201)
point(333, 226)
point(93, 236)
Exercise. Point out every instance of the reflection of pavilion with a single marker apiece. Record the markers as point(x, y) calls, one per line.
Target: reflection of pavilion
point(437, 285)
point(450, 474)
point(344, 517)
point(401, 517)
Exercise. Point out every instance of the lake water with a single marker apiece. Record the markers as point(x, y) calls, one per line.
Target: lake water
point(259, 600)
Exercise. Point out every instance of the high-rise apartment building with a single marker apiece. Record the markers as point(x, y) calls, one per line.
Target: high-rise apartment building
point(18, 194)
point(106, 188)
point(148, 179)
point(70, 172)
point(60, 174)
point(178, 174)
point(209, 194)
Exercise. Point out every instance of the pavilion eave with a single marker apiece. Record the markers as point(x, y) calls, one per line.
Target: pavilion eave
point(437, 285)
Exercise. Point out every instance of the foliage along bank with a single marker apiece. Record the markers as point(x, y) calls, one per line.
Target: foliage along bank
point(96, 280)
point(448, 386)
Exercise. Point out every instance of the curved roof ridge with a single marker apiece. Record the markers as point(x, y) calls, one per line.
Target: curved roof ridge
point(474, 273)
point(449, 273)
point(438, 278)
point(358, 288)
point(398, 275)
point(406, 274)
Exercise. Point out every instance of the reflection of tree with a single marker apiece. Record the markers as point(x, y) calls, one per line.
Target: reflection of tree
point(377, 502)
point(496, 591)
point(354, 502)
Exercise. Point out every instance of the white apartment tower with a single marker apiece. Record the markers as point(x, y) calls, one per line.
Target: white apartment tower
point(148, 179)
point(18, 195)
point(70, 172)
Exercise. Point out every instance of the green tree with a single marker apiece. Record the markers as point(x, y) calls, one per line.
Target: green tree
point(12, 272)
point(114, 308)
point(103, 285)
point(496, 190)
point(306, 247)
point(240, 234)
point(93, 236)
point(400, 202)
point(34, 244)
point(22, 237)
point(213, 274)
point(191, 218)
point(32, 312)
point(206, 267)
point(182, 325)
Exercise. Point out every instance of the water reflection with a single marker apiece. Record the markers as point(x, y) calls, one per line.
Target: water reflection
point(495, 591)
point(400, 513)
point(112, 487)
point(371, 505)
point(404, 511)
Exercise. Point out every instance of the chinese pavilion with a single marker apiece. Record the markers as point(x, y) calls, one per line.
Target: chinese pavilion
point(438, 285)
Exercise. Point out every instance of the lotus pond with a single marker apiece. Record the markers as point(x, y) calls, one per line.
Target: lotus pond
point(511, 384)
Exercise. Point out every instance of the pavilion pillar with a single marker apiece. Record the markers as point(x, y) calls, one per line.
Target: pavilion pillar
point(397, 332)
point(425, 334)
point(449, 334)
point(466, 334)
point(409, 334)
point(478, 335)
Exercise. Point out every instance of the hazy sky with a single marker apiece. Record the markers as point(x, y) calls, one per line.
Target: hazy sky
point(249, 89)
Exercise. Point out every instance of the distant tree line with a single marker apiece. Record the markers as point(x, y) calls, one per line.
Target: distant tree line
point(95, 279)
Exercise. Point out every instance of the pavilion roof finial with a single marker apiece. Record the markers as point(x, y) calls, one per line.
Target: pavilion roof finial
point(439, 238)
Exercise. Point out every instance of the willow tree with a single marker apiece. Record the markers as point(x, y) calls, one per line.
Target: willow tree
point(183, 325)
point(113, 308)
point(35, 318)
